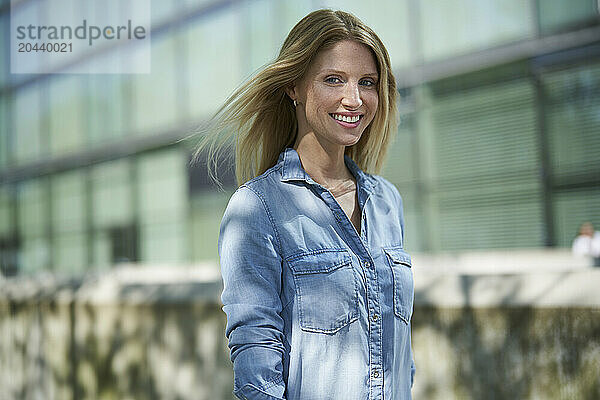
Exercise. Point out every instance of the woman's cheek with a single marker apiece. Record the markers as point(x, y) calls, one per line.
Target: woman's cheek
point(373, 99)
point(325, 95)
point(373, 104)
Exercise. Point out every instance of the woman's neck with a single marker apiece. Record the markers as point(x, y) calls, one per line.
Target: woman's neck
point(325, 166)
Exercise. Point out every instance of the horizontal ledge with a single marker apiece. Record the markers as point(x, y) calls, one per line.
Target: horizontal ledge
point(535, 278)
point(535, 289)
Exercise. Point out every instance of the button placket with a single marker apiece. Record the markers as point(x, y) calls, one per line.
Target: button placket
point(372, 295)
point(375, 329)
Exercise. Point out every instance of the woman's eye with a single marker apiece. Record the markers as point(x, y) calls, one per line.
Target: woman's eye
point(367, 82)
point(333, 79)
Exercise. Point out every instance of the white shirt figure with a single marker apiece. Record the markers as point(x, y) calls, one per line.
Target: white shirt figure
point(587, 243)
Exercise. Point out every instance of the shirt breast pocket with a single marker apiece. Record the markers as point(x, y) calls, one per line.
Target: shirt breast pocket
point(401, 266)
point(326, 290)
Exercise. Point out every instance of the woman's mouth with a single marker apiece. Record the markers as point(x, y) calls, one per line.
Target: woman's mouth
point(347, 121)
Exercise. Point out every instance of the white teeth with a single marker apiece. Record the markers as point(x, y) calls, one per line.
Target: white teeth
point(346, 119)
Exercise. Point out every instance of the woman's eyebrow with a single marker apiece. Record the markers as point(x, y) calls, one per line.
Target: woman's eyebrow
point(336, 71)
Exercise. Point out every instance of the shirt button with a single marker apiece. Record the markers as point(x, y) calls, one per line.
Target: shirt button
point(367, 264)
point(375, 373)
point(375, 317)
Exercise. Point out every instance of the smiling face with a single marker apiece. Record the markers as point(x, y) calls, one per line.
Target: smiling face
point(337, 98)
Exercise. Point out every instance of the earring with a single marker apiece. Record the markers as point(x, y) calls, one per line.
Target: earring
point(295, 103)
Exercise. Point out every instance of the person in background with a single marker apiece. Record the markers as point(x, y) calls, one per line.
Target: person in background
point(587, 243)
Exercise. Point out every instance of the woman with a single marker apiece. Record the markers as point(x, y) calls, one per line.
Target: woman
point(318, 290)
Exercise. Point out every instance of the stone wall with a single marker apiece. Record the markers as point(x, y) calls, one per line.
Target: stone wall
point(157, 333)
point(507, 353)
point(113, 338)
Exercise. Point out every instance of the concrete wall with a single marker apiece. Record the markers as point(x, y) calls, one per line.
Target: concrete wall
point(157, 333)
point(121, 336)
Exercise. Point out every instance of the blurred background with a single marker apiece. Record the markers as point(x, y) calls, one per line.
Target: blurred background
point(497, 158)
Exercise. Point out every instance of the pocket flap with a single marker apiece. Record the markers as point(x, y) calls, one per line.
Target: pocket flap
point(321, 261)
point(399, 256)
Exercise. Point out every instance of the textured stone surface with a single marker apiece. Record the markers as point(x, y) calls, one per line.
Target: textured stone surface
point(507, 353)
point(156, 334)
point(113, 338)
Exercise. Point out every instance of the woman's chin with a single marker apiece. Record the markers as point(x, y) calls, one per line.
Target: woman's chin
point(350, 140)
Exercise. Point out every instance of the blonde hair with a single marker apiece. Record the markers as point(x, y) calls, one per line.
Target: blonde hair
point(261, 118)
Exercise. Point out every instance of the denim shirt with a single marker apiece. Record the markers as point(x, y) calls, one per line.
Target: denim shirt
point(314, 310)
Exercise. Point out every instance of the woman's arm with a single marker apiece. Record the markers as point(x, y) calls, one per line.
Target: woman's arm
point(251, 267)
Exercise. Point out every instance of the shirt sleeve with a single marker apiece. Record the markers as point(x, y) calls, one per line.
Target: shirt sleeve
point(251, 269)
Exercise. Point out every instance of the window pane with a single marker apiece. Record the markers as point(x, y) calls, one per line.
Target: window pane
point(66, 102)
point(459, 26)
point(118, 244)
point(399, 167)
point(573, 122)
point(106, 112)
point(166, 242)
point(34, 255)
point(207, 210)
point(112, 194)
point(556, 14)
point(27, 11)
point(400, 170)
point(68, 202)
point(573, 126)
point(32, 203)
point(68, 222)
point(486, 175)
point(57, 13)
point(260, 42)
point(288, 13)
point(26, 119)
point(6, 212)
point(192, 4)
point(163, 205)
point(32, 209)
point(70, 253)
point(214, 62)
point(162, 173)
point(155, 100)
point(102, 250)
point(161, 10)
point(392, 26)
point(124, 244)
point(4, 131)
point(4, 49)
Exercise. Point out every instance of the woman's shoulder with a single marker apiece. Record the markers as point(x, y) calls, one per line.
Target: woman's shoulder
point(264, 180)
point(253, 192)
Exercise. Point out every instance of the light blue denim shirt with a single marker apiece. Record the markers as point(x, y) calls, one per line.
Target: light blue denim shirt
point(314, 310)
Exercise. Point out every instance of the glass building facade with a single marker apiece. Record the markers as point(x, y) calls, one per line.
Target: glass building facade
point(498, 146)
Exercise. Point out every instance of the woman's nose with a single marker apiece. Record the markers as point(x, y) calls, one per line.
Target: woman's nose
point(351, 97)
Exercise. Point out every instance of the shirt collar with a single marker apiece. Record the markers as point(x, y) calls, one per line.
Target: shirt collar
point(292, 170)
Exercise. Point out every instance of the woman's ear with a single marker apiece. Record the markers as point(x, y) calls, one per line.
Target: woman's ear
point(292, 91)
